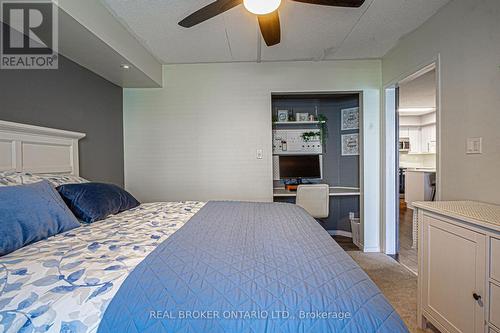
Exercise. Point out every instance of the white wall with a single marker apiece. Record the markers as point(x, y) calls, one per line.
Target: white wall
point(419, 92)
point(196, 138)
point(466, 35)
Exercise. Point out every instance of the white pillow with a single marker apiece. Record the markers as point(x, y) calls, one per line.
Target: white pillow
point(12, 178)
point(58, 180)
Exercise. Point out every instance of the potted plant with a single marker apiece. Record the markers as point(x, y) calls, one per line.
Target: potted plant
point(308, 136)
point(323, 127)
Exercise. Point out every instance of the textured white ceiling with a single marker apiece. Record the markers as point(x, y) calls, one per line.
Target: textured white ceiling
point(308, 32)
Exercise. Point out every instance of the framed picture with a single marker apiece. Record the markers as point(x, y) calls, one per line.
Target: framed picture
point(283, 116)
point(350, 119)
point(350, 144)
point(302, 116)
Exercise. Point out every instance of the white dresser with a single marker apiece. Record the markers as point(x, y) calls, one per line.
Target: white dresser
point(459, 266)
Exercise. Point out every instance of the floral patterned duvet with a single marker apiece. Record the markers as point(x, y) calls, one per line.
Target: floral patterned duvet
point(65, 283)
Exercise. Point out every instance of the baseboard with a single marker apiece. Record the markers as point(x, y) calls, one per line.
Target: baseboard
point(340, 233)
point(374, 249)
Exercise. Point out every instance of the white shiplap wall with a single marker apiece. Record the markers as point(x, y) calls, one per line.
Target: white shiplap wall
point(196, 138)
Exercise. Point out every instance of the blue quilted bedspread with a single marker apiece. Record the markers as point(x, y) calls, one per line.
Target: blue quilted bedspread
point(249, 267)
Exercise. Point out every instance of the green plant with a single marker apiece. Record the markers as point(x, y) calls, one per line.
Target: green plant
point(323, 126)
point(308, 136)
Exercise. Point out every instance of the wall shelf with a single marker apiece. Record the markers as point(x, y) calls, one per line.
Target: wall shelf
point(298, 122)
point(299, 154)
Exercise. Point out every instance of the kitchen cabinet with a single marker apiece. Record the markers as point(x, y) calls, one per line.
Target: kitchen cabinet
point(413, 133)
point(428, 139)
point(404, 132)
point(415, 140)
point(422, 139)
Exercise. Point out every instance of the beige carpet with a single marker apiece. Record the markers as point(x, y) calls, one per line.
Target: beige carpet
point(397, 283)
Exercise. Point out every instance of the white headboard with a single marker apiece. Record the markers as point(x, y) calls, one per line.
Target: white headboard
point(27, 148)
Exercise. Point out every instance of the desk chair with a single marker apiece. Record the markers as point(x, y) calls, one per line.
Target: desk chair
point(315, 199)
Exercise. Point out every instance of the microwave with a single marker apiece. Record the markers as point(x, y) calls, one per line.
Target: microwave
point(404, 144)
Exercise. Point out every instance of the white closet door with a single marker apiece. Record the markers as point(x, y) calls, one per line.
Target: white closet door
point(454, 275)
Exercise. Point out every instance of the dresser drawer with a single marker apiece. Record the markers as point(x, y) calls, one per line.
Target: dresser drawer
point(495, 259)
point(495, 305)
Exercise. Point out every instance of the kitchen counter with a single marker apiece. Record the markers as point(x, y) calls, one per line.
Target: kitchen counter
point(429, 170)
point(334, 192)
point(419, 185)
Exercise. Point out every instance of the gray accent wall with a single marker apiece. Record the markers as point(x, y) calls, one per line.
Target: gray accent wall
point(75, 99)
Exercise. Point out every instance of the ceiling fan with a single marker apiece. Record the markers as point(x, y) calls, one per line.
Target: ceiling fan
point(266, 11)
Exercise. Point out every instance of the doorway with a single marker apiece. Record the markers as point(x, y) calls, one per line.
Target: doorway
point(411, 158)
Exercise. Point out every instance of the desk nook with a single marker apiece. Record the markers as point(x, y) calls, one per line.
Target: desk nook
point(316, 141)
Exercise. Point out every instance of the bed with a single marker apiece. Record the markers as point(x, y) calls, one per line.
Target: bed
point(188, 267)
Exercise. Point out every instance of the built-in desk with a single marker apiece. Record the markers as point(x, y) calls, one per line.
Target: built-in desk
point(334, 192)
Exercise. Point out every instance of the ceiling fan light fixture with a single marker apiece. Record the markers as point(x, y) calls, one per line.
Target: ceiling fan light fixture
point(261, 7)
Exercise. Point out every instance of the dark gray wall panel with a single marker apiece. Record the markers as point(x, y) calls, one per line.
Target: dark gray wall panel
point(75, 99)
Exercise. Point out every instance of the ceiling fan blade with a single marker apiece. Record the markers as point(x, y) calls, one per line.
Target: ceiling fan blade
point(209, 11)
point(336, 3)
point(270, 28)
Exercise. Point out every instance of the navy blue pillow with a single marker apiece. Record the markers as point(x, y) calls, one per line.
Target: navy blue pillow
point(92, 202)
point(30, 213)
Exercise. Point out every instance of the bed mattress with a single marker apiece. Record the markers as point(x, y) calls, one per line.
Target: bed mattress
point(250, 267)
point(65, 283)
point(192, 267)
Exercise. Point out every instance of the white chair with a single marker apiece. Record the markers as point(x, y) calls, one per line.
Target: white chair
point(315, 199)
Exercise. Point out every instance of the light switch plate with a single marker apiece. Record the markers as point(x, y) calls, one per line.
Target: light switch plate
point(260, 154)
point(474, 145)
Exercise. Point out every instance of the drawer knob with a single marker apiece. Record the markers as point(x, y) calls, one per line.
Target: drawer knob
point(476, 296)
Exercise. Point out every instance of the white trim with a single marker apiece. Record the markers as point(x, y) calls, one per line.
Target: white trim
point(374, 249)
point(439, 109)
point(388, 232)
point(408, 268)
point(349, 235)
point(7, 126)
point(369, 147)
point(388, 217)
point(35, 149)
point(426, 69)
point(340, 233)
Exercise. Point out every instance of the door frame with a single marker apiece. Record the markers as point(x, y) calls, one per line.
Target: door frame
point(390, 160)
